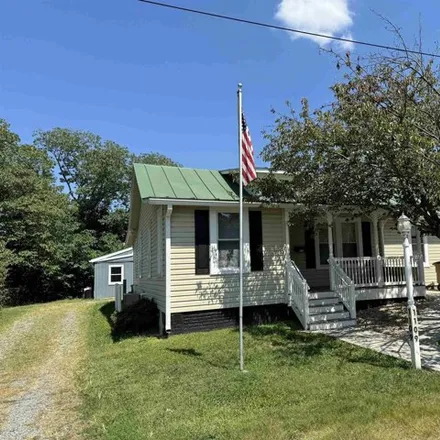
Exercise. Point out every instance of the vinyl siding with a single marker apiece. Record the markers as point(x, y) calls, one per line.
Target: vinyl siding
point(393, 247)
point(150, 286)
point(191, 292)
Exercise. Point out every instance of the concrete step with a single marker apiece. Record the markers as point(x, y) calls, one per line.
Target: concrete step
point(322, 326)
point(322, 295)
point(324, 302)
point(337, 307)
point(324, 317)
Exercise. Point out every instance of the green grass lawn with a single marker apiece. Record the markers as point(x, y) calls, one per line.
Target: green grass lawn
point(10, 314)
point(298, 386)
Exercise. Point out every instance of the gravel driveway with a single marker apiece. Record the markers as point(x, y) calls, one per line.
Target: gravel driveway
point(44, 403)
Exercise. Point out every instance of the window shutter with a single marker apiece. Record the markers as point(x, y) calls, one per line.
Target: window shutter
point(309, 241)
point(201, 222)
point(366, 239)
point(256, 240)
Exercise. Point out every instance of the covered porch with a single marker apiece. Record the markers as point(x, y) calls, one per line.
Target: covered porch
point(343, 259)
point(367, 248)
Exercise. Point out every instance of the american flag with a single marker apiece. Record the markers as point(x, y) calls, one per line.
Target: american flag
point(247, 153)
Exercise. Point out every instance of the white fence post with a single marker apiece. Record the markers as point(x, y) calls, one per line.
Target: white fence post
point(379, 269)
point(118, 297)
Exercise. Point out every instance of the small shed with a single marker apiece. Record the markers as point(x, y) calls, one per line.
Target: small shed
point(112, 269)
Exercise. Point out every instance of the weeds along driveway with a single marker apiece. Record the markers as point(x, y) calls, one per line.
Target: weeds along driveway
point(39, 354)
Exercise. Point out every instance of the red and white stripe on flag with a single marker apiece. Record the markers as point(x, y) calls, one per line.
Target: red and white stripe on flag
point(247, 153)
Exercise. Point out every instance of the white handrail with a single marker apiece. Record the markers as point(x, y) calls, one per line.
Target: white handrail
point(343, 285)
point(298, 291)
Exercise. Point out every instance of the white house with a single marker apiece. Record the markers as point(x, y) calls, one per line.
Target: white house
point(184, 231)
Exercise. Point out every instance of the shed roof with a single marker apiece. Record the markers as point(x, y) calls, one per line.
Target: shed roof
point(126, 253)
point(164, 182)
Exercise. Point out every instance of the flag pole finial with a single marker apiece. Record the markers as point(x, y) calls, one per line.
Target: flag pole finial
point(240, 86)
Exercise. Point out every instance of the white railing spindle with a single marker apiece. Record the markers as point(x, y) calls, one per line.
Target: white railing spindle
point(343, 286)
point(380, 271)
point(298, 291)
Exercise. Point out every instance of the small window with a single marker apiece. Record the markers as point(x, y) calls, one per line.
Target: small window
point(228, 240)
point(116, 274)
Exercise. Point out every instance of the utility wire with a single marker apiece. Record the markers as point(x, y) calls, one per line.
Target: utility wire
point(282, 28)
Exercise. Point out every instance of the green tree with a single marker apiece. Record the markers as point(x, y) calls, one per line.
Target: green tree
point(97, 176)
point(376, 145)
point(37, 225)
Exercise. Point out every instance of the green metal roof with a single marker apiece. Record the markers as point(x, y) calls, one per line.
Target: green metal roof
point(162, 182)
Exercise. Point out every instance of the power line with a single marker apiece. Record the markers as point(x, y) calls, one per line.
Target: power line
point(282, 28)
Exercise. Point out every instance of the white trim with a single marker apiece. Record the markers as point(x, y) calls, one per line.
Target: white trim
point(213, 238)
point(286, 252)
point(110, 282)
point(113, 255)
point(191, 202)
point(168, 268)
point(159, 247)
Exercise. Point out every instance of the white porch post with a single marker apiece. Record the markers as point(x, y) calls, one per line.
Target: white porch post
point(377, 256)
point(330, 245)
point(420, 263)
point(330, 234)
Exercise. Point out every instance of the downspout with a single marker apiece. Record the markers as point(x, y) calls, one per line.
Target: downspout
point(168, 269)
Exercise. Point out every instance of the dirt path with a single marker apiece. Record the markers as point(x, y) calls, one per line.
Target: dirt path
point(41, 400)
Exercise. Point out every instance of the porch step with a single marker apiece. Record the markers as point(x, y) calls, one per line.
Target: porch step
point(325, 317)
point(324, 302)
point(331, 308)
point(322, 326)
point(323, 295)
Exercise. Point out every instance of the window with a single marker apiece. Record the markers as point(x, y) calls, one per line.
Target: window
point(228, 240)
point(349, 240)
point(115, 274)
point(224, 241)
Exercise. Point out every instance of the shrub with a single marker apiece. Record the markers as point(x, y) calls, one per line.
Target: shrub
point(137, 319)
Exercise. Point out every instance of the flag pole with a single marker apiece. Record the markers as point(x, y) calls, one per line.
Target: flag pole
point(240, 308)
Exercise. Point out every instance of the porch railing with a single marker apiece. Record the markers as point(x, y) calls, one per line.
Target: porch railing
point(343, 285)
point(298, 292)
point(380, 271)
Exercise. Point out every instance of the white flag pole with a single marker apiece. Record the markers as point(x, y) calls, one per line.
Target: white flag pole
point(240, 309)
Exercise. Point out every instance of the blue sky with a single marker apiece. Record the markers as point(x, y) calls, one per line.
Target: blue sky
point(159, 80)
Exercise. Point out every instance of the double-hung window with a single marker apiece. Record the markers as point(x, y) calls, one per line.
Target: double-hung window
point(224, 233)
point(349, 240)
point(228, 240)
point(115, 274)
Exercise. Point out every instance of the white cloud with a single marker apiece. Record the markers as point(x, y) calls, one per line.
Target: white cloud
point(330, 17)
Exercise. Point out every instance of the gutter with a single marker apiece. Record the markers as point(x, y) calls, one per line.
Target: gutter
point(168, 269)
